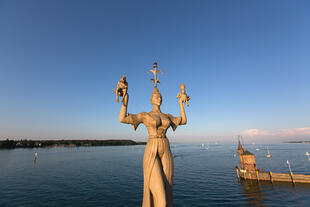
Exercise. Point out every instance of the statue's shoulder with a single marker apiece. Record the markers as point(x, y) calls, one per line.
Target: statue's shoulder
point(144, 113)
point(141, 114)
point(170, 116)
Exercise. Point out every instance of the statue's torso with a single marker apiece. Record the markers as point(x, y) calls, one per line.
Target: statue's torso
point(157, 124)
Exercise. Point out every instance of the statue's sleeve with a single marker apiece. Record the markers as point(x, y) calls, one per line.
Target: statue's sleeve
point(135, 119)
point(175, 121)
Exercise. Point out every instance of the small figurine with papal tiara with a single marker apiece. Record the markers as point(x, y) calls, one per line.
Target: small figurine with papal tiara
point(183, 96)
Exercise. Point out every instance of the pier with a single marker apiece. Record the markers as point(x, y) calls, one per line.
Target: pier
point(248, 170)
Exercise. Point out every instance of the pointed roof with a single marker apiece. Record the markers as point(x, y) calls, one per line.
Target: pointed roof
point(242, 151)
point(240, 146)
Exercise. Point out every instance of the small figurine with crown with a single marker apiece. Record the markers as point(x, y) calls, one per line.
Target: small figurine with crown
point(121, 89)
point(183, 96)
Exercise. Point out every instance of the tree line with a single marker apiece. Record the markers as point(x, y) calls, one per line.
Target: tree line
point(25, 143)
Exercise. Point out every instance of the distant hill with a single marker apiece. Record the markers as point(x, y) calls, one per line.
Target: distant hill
point(11, 144)
point(301, 142)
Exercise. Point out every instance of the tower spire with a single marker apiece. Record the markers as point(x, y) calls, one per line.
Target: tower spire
point(240, 148)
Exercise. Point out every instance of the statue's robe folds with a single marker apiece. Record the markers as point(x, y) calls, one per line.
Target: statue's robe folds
point(150, 153)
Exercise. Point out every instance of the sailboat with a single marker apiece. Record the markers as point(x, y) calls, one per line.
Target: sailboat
point(307, 153)
point(268, 155)
point(35, 157)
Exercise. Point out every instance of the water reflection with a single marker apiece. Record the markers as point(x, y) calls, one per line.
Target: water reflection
point(265, 193)
point(252, 192)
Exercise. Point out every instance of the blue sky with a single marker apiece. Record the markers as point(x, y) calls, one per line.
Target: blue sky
point(246, 65)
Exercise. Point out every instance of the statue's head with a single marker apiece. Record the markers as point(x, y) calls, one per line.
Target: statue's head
point(123, 78)
point(156, 98)
point(182, 87)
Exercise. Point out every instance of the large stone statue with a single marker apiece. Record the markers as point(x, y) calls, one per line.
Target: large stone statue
point(157, 160)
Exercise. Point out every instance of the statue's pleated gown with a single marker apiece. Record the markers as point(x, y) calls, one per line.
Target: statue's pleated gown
point(158, 149)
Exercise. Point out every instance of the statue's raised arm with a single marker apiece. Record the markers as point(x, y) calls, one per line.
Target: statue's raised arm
point(121, 90)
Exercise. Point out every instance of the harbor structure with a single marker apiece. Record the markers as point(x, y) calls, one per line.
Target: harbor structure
point(248, 170)
point(247, 159)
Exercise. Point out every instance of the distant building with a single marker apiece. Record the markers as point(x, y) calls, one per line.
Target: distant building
point(247, 159)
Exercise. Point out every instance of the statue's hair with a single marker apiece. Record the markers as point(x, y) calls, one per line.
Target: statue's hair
point(155, 92)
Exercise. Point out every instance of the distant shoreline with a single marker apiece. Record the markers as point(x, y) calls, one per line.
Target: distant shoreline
point(13, 144)
point(299, 142)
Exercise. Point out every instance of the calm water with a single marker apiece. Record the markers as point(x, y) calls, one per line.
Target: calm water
point(112, 176)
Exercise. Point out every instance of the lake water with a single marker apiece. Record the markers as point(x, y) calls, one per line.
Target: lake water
point(112, 176)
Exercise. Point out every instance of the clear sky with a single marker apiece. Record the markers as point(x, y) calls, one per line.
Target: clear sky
point(246, 65)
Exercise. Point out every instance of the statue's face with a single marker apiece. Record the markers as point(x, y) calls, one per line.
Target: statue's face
point(156, 99)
